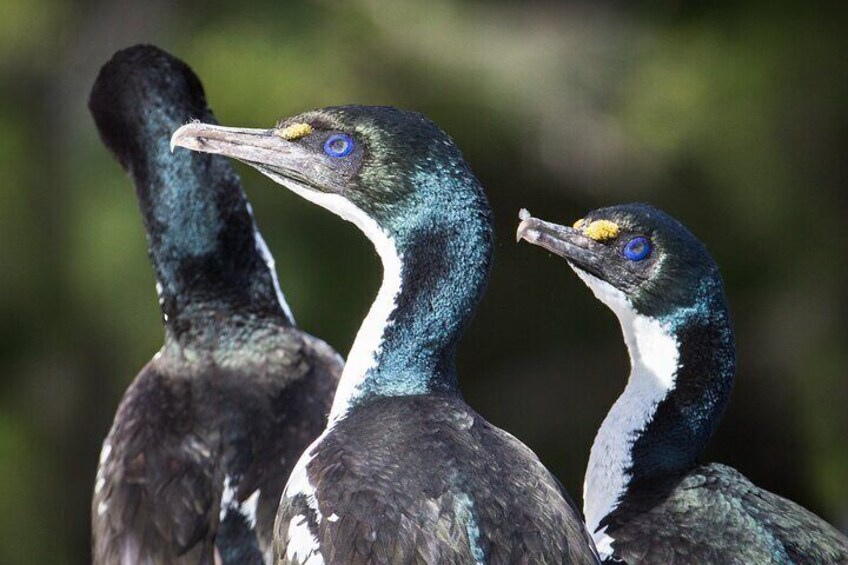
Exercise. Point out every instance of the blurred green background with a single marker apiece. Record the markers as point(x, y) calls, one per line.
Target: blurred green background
point(732, 117)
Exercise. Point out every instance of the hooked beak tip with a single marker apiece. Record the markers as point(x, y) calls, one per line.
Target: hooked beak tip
point(185, 136)
point(525, 228)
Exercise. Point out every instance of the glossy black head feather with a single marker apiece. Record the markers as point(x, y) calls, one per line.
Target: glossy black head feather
point(676, 272)
point(143, 91)
point(202, 238)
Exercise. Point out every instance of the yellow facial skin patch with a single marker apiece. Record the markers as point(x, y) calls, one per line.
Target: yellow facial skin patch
point(602, 230)
point(294, 131)
point(578, 224)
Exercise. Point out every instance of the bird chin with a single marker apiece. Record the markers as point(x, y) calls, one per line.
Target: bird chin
point(299, 187)
point(586, 270)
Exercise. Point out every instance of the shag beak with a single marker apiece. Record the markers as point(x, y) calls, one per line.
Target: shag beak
point(566, 242)
point(260, 148)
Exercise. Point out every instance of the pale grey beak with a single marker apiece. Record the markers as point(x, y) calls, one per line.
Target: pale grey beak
point(260, 148)
point(564, 241)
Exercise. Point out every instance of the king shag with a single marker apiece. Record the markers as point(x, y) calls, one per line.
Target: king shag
point(406, 471)
point(647, 496)
point(208, 432)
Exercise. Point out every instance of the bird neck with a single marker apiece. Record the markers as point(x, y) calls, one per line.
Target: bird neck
point(209, 258)
point(682, 369)
point(435, 267)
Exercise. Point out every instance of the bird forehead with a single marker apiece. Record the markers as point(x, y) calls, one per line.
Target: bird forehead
point(599, 230)
point(294, 131)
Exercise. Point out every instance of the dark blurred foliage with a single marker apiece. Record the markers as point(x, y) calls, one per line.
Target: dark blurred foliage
point(731, 116)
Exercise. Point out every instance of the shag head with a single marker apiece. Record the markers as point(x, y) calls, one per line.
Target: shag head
point(387, 163)
point(137, 98)
point(640, 251)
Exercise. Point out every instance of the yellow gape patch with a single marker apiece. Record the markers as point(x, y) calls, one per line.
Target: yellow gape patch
point(294, 131)
point(602, 230)
point(578, 224)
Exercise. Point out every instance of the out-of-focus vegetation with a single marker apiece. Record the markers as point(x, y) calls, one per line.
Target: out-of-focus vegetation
point(734, 118)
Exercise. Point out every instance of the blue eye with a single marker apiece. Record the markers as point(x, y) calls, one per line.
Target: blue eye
point(637, 248)
point(338, 145)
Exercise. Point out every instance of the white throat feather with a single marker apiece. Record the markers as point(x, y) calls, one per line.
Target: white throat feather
point(653, 369)
point(369, 339)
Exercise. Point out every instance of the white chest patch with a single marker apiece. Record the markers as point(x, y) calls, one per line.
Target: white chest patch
point(369, 339)
point(100, 479)
point(303, 546)
point(105, 452)
point(228, 495)
point(230, 503)
point(248, 508)
point(603, 543)
point(653, 367)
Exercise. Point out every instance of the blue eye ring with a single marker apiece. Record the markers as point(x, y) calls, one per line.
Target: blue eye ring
point(339, 145)
point(637, 248)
